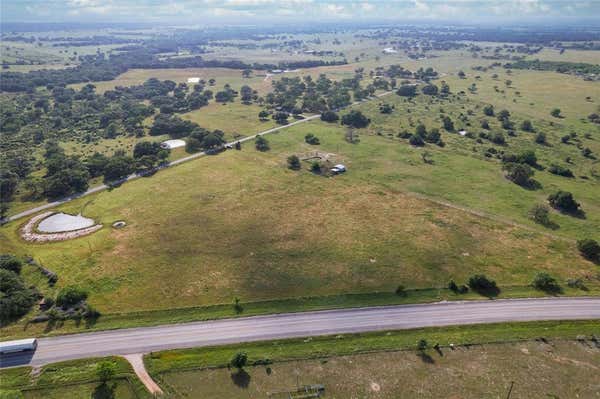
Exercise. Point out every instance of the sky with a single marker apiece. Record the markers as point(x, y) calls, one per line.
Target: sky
point(249, 11)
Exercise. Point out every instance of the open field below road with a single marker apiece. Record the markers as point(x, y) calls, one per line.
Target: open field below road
point(538, 370)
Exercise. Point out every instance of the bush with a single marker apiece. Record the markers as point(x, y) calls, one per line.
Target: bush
point(416, 140)
point(527, 126)
point(422, 345)
point(483, 285)
point(239, 360)
point(589, 249)
point(540, 138)
point(312, 139)
point(11, 262)
point(262, 144)
point(560, 170)
point(544, 282)
point(518, 173)
point(315, 167)
point(540, 214)
point(329, 116)
point(294, 162)
point(563, 201)
point(401, 290)
point(429, 89)
point(452, 286)
point(70, 296)
point(106, 370)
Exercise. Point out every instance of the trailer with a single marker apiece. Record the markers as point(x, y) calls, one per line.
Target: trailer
point(20, 345)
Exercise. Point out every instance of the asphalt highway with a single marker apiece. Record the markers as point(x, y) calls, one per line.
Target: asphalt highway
point(279, 326)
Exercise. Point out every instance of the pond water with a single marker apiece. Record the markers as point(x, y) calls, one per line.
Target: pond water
point(60, 222)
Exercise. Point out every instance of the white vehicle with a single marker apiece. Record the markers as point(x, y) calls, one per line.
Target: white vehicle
point(20, 345)
point(338, 168)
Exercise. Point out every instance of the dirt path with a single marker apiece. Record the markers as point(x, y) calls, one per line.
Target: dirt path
point(137, 362)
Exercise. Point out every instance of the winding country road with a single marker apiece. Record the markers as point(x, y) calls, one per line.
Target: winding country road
point(289, 325)
point(134, 176)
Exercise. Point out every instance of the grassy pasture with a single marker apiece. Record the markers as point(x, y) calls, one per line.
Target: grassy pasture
point(241, 224)
point(538, 370)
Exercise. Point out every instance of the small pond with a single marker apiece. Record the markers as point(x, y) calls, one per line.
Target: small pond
point(60, 222)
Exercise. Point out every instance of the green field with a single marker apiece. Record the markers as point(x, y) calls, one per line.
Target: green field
point(485, 360)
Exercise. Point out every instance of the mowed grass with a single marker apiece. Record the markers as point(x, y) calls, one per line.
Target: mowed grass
point(242, 224)
point(235, 119)
point(537, 370)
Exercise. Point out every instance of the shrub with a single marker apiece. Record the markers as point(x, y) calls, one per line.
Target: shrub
point(315, 167)
point(70, 296)
point(563, 201)
point(329, 116)
point(555, 112)
point(483, 285)
point(237, 306)
point(526, 126)
point(540, 138)
point(452, 286)
point(11, 262)
point(589, 249)
point(312, 139)
point(560, 170)
point(422, 345)
point(239, 360)
point(294, 162)
point(539, 214)
point(106, 370)
point(261, 144)
point(416, 140)
point(488, 110)
point(544, 282)
point(518, 173)
point(401, 290)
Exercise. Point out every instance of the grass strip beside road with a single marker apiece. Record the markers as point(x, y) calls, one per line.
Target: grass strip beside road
point(291, 305)
point(338, 345)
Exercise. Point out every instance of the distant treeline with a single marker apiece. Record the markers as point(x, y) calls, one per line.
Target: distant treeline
point(99, 68)
point(578, 68)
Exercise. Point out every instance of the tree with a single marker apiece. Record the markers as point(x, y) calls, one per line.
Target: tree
point(118, 167)
point(407, 90)
point(518, 173)
point(8, 184)
point(416, 140)
point(544, 282)
point(281, 117)
point(540, 214)
point(11, 262)
point(563, 201)
point(401, 290)
point(261, 144)
point(146, 148)
point(311, 139)
point(483, 285)
point(106, 370)
point(15, 298)
point(96, 164)
point(589, 249)
point(461, 75)
point(246, 73)
point(294, 162)
point(448, 124)
point(329, 116)
point(70, 296)
point(540, 138)
point(263, 115)
point(315, 167)
point(555, 113)
point(422, 345)
point(238, 145)
point(246, 94)
point(355, 119)
point(430, 90)
point(526, 126)
point(488, 110)
point(421, 130)
point(239, 360)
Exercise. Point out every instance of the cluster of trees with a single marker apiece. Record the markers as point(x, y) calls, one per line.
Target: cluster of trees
point(576, 68)
point(519, 168)
point(422, 136)
point(16, 299)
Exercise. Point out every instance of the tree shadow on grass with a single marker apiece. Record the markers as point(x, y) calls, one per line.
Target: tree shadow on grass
point(425, 357)
point(241, 378)
point(105, 391)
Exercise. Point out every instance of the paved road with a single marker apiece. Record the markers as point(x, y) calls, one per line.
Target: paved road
point(258, 328)
point(103, 187)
